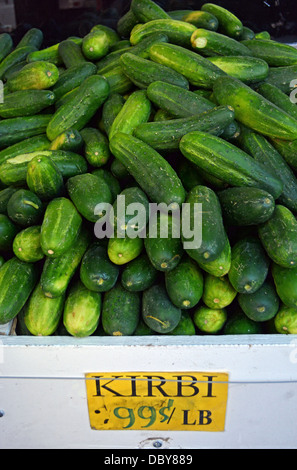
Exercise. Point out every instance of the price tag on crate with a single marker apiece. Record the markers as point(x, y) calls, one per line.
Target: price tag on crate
point(177, 401)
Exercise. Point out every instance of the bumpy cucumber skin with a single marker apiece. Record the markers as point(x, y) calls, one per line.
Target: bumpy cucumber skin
point(247, 69)
point(73, 78)
point(249, 265)
point(158, 312)
point(58, 272)
point(44, 178)
point(86, 191)
point(229, 24)
point(97, 272)
point(96, 148)
point(35, 76)
point(81, 108)
point(139, 274)
point(143, 72)
point(227, 162)
point(213, 235)
point(26, 103)
point(198, 70)
point(274, 53)
point(142, 162)
point(26, 245)
point(279, 237)
point(21, 278)
point(246, 206)
point(253, 110)
point(82, 311)
point(178, 32)
point(285, 320)
point(42, 314)
point(95, 45)
point(111, 109)
point(285, 280)
point(147, 10)
point(25, 208)
point(278, 97)
point(166, 136)
point(211, 43)
point(14, 57)
point(282, 77)
point(218, 291)
point(184, 284)
point(60, 226)
point(6, 45)
point(14, 130)
point(209, 320)
point(120, 311)
point(123, 250)
point(262, 305)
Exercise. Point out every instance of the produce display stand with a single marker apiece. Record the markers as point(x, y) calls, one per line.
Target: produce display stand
point(45, 401)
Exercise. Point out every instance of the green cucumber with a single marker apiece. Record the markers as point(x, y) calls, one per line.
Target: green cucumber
point(143, 162)
point(282, 77)
point(246, 206)
point(264, 152)
point(158, 312)
point(167, 135)
point(48, 54)
point(69, 141)
point(97, 272)
point(246, 69)
point(6, 45)
point(178, 102)
point(126, 23)
point(95, 45)
point(162, 245)
point(111, 61)
point(147, 10)
point(81, 108)
point(71, 53)
point(8, 231)
point(34, 76)
point(42, 314)
point(249, 265)
point(210, 43)
point(275, 53)
point(82, 311)
point(179, 14)
point(58, 272)
point(127, 225)
point(118, 81)
point(72, 78)
point(26, 245)
point(285, 281)
point(142, 72)
point(178, 32)
point(287, 149)
point(212, 237)
point(230, 164)
point(278, 97)
point(44, 178)
point(247, 33)
point(240, 324)
point(86, 191)
point(262, 305)
point(33, 37)
point(229, 24)
point(189, 174)
point(221, 265)
point(120, 311)
point(21, 278)
point(198, 70)
point(253, 110)
point(210, 320)
point(122, 44)
point(59, 227)
point(14, 57)
point(218, 292)
point(26, 103)
point(113, 183)
point(31, 144)
point(14, 170)
point(185, 327)
point(25, 208)
point(184, 284)
point(279, 237)
point(122, 250)
point(139, 274)
point(135, 111)
point(5, 195)
point(285, 320)
point(263, 35)
point(14, 130)
point(202, 19)
point(111, 109)
point(96, 147)
point(111, 33)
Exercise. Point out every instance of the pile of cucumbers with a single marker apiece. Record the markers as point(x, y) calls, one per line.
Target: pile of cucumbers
point(176, 108)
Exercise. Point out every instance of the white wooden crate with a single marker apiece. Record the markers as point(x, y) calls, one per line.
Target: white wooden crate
point(44, 403)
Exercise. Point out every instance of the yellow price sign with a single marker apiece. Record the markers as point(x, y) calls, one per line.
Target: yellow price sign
point(177, 401)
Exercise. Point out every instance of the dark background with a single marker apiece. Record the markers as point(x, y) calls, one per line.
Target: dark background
point(279, 17)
